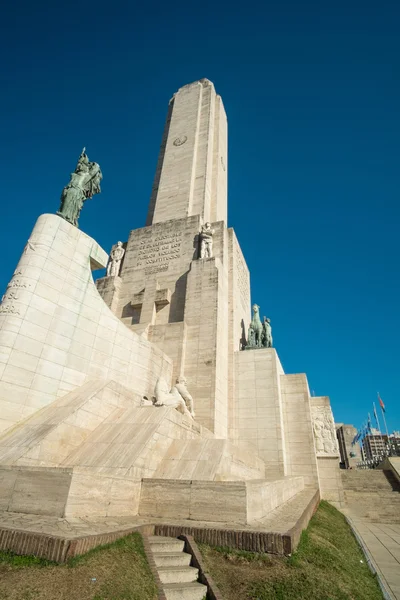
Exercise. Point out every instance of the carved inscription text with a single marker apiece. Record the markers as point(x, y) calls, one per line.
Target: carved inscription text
point(242, 280)
point(159, 250)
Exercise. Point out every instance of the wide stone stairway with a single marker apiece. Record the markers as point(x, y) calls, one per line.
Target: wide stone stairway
point(178, 578)
point(372, 494)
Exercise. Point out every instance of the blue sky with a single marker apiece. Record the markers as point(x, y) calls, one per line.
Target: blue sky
point(312, 94)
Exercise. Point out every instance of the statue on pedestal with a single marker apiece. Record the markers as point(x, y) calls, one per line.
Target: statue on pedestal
point(206, 241)
point(255, 330)
point(84, 184)
point(267, 333)
point(260, 334)
point(114, 262)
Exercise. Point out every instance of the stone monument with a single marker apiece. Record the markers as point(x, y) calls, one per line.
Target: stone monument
point(95, 377)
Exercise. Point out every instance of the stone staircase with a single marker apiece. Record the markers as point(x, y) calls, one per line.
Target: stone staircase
point(372, 494)
point(178, 578)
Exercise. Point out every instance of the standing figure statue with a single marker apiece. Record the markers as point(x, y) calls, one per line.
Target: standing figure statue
point(114, 262)
point(267, 333)
point(206, 241)
point(251, 338)
point(182, 389)
point(84, 184)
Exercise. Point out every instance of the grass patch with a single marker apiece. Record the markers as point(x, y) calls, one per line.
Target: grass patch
point(117, 571)
point(328, 565)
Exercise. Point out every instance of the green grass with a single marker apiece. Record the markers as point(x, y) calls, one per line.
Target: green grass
point(117, 571)
point(328, 565)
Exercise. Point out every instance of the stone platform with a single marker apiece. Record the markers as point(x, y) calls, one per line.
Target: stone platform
point(57, 538)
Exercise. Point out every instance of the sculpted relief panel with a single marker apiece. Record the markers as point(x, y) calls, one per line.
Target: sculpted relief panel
point(324, 431)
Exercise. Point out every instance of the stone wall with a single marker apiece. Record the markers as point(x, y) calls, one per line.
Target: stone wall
point(56, 331)
point(259, 409)
point(299, 440)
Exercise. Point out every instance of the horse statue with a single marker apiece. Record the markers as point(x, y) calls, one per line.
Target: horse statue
point(255, 329)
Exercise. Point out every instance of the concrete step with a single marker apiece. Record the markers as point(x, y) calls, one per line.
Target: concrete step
point(172, 559)
point(185, 591)
point(178, 574)
point(159, 543)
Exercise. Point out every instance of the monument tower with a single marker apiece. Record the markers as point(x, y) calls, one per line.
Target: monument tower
point(157, 381)
point(191, 308)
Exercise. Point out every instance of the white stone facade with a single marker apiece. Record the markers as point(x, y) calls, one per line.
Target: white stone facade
point(87, 354)
point(56, 331)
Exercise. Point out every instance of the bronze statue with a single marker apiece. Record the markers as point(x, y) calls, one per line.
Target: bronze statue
point(267, 333)
point(84, 184)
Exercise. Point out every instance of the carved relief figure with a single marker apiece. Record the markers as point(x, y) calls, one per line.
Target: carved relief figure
point(84, 184)
point(206, 241)
point(114, 262)
point(267, 333)
point(318, 428)
point(324, 431)
point(182, 389)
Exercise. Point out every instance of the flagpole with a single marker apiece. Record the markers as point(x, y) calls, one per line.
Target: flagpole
point(379, 427)
point(384, 420)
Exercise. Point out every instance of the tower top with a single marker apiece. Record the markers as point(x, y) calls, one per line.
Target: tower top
point(191, 174)
point(200, 82)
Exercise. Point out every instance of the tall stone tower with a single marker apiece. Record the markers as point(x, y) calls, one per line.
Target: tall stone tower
point(195, 310)
point(77, 358)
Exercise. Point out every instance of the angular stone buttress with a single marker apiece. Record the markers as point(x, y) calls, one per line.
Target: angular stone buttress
point(76, 359)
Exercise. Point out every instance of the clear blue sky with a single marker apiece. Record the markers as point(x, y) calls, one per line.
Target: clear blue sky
point(312, 94)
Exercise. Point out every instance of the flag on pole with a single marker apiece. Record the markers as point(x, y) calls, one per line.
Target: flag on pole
point(381, 403)
point(369, 425)
point(376, 416)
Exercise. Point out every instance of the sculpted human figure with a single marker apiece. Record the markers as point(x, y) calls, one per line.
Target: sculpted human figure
point(251, 338)
point(182, 389)
point(255, 329)
point(267, 333)
point(206, 241)
point(318, 428)
point(172, 398)
point(324, 433)
point(83, 184)
point(114, 262)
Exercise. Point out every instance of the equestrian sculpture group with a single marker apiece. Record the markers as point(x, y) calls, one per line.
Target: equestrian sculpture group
point(260, 334)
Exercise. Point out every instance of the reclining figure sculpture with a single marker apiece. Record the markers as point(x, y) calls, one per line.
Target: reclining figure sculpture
point(178, 398)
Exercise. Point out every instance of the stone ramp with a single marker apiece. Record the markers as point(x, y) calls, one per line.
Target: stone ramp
point(50, 435)
point(100, 428)
point(209, 460)
point(372, 494)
